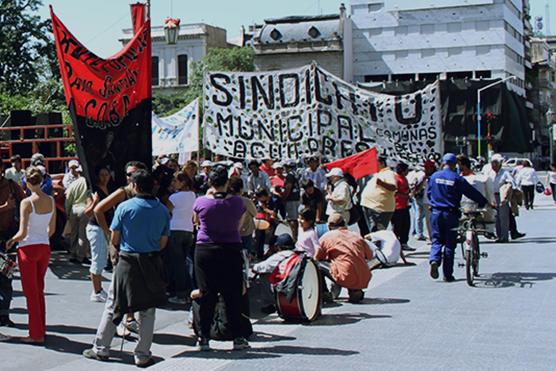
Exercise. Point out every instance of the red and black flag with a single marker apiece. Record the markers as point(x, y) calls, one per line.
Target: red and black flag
point(109, 99)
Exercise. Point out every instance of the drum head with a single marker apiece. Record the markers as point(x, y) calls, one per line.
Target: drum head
point(310, 291)
point(261, 224)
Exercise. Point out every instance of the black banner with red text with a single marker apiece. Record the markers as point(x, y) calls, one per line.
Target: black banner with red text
point(109, 99)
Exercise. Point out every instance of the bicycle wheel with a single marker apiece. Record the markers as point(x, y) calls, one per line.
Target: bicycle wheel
point(468, 266)
point(476, 255)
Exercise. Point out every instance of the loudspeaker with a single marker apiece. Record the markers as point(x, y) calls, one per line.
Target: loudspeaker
point(22, 118)
point(25, 150)
point(51, 118)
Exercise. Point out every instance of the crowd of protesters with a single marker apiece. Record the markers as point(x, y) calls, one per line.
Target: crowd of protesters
point(212, 219)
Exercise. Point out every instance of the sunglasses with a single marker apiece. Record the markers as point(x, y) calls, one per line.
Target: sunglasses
point(128, 174)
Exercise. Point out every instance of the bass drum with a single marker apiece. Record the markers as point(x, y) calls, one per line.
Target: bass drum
point(305, 304)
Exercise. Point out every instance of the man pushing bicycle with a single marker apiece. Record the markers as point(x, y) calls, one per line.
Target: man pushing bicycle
point(444, 191)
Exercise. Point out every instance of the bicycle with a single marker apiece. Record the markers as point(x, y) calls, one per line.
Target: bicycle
point(468, 232)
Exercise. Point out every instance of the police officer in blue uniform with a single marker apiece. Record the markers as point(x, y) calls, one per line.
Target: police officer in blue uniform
point(444, 191)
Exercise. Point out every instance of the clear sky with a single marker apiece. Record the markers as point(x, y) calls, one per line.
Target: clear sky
point(98, 23)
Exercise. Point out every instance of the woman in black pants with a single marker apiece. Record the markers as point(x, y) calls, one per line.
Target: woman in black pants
point(218, 260)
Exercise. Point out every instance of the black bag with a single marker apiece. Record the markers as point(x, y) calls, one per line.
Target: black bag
point(539, 187)
point(220, 328)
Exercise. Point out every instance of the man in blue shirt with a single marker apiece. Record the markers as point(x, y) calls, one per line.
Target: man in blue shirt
point(141, 226)
point(444, 191)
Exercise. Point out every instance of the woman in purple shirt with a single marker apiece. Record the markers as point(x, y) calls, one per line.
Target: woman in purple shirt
point(218, 260)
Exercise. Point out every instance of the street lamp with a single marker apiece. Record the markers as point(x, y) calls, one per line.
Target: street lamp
point(171, 30)
point(479, 109)
point(550, 126)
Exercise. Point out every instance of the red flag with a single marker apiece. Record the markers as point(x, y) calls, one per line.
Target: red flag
point(358, 165)
point(137, 17)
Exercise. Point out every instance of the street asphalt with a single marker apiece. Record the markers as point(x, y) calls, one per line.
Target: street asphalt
point(407, 321)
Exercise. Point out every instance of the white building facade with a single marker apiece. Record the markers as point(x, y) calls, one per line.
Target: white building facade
point(426, 39)
point(171, 67)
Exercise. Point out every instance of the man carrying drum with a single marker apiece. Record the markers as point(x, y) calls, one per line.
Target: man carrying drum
point(343, 259)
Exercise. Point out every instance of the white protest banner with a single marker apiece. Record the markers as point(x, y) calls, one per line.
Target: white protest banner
point(178, 133)
point(301, 112)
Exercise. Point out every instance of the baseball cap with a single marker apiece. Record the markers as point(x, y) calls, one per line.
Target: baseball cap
point(497, 157)
point(336, 171)
point(238, 165)
point(73, 163)
point(449, 158)
point(207, 163)
point(277, 165)
point(290, 163)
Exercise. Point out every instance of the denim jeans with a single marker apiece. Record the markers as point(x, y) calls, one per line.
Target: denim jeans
point(418, 214)
point(99, 249)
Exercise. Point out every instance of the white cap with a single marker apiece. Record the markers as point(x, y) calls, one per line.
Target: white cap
point(73, 163)
point(42, 169)
point(497, 157)
point(336, 171)
point(290, 163)
point(238, 165)
point(277, 165)
point(207, 163)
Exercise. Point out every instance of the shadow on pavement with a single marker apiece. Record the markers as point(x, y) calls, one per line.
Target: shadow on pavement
point(17, 294)
point(66, 270)
point(266, 352)
point(64, 345)
point(261, 337)
point(18, 310)
point(513, 279)
point(68, 329)
point(343, 319)
point(174, 339)
point(541, 240)
point(379, 301)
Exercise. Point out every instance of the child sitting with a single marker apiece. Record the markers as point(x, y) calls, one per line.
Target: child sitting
point(307, 240)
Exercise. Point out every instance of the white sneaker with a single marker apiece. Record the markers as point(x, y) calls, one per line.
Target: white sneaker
point(98, 298)
point(104, 294)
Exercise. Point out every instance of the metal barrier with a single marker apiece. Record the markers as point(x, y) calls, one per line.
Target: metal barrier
point(7, 150)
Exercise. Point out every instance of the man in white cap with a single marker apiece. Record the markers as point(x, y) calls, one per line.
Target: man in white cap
point(73, 173)
point(77, 195)
point(339, 195)
point(503, 183)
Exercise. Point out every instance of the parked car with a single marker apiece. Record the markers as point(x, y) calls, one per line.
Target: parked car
point(514, 161)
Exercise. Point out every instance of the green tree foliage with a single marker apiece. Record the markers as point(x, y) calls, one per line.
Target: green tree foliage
point(219, 59)
point(27, 53)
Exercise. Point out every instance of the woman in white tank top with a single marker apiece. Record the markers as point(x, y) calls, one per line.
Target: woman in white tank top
point(38, 223)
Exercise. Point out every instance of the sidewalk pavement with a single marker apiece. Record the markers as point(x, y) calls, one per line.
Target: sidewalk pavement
point(407, 321)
